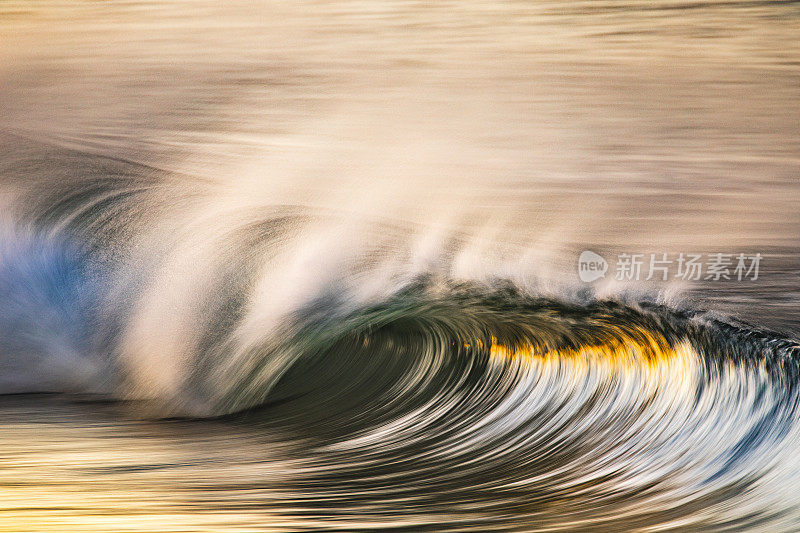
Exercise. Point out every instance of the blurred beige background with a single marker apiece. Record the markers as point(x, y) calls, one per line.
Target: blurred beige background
point(549, 127)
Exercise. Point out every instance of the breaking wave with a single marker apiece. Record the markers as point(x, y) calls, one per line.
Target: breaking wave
point(469, 403)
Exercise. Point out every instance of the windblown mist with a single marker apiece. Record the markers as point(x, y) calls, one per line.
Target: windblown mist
point(313, 266)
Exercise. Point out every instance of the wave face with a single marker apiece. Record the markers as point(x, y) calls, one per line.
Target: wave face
point(495, 411)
